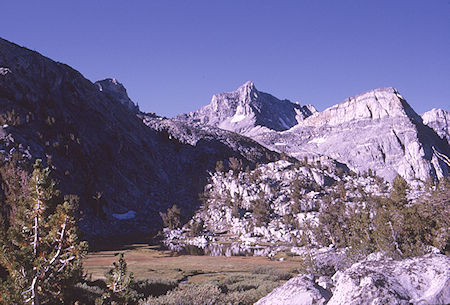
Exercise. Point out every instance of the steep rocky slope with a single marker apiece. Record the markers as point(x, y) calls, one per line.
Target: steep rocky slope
point(99, 149)
point(209, 138)
point(439, 120)
point(248, 110)
point(377, 130)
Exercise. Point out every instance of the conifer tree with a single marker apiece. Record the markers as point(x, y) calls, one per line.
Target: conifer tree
point(399, 189)
point(119, 283)
point(261, 209)
point(172, 218)
point(40, 251)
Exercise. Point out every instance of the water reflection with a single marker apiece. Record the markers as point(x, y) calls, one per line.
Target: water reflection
point(217, 249)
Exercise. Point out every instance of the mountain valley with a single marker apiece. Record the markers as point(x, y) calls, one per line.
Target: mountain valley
point(356, 195)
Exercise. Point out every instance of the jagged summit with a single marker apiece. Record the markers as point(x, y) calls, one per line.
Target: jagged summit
point(247, 110)
point(248, 84)
point(376, 129)
point(247, 89)
point(114, 88)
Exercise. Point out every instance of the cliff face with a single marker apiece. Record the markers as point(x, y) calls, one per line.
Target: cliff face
point(112, 87)
point(377, 130)
point(248, 110)
point(99, 149)
point(373, 105)
point(438, 119)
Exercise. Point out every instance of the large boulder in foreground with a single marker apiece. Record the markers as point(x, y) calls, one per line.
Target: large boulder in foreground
point(420, 280)
point(300, 290)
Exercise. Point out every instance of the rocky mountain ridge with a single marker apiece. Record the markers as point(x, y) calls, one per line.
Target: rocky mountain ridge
point(377, 129)
point(127, 167)
point(247, 110)
point(99, 149)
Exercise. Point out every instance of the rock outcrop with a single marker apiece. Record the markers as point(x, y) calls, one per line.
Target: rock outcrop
point(439, 120)
point(248, 110)
point(294, 193)
point(117, 91)
point(301, 290)
point(420, 280)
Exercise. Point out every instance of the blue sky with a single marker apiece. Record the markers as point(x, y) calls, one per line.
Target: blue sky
point(172, 56)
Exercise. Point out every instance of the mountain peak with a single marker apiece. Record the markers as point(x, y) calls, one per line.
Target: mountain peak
point(115, 89)
point(247, 110)
point(370, 105)
point(249, 85)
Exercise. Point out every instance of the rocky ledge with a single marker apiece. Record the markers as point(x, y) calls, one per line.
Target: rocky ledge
point(375, 280)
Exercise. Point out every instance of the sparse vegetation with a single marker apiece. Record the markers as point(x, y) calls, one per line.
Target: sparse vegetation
point(390, 224)
point(240, 288)
point(40, 249)
point(172, 218)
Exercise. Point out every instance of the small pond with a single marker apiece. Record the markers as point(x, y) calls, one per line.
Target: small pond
point(219, 249)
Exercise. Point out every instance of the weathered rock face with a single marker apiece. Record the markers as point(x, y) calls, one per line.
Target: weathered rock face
point(376, 104)
point(112, 87)
point(439, 120)
point(98, 146)
point(210, 139)
point(300, 290)
point(375, 130)
point(295, 194)
point(248, 110)
point(420, 280)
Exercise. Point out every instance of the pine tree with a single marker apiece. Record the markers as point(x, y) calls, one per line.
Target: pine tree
point(261, 209)
point(119, 283)
point(40, 251)
point(399, 189)
point(235, 165)
point(172, 218)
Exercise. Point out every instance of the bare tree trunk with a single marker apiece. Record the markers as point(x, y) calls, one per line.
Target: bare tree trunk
point(37, 209)
point(34, 293)
point(395, 239)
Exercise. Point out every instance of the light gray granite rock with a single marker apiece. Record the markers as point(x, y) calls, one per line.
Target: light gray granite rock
point(301, 290)
point(375, 130)
point(420, 280)
point(438, 119)
point(248, 110)
point(375, 280)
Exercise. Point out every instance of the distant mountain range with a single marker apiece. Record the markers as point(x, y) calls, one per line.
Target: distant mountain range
point(119, 160)
point(377, 129)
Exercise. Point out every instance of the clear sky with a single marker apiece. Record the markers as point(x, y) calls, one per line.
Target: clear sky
point(172, 56)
